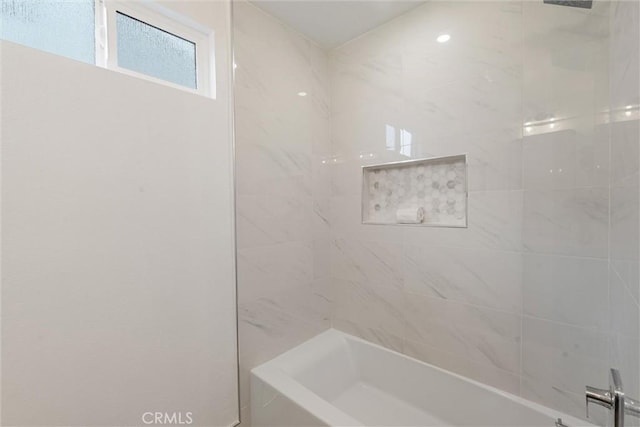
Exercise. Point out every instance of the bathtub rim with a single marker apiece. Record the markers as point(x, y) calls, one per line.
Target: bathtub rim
point(276, 373)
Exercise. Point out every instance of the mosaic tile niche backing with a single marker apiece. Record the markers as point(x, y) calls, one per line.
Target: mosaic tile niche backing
point(438, 186)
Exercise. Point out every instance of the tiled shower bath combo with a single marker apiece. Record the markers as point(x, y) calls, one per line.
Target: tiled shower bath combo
point(535, 289)
point(306, 213)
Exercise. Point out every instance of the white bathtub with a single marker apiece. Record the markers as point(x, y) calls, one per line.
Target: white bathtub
point(336, 379)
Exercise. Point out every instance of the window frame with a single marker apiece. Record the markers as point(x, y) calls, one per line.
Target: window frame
point(164, 19)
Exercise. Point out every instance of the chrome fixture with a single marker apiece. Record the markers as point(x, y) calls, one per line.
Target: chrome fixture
point(613, 399)
point(559, 423)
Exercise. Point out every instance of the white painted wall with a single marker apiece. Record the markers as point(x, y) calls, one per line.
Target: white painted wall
point(118, 289)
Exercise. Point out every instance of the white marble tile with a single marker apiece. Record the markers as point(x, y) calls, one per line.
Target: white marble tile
point(494, 157)
point(476, 276)
point(268, 220)
point(624, 309)
point(320, 217)
point(629, 273)
point(346, 222)
point(367, 130)
point(321, 258)
point(459, 61)
point(366, 69)
point(625, 333)
point(265, 316)
point(266, 269)
point(624, 290)
point(566, 222)
point(625, 54)
point(276, 129)
point(266, 48)
point(566, 289)
point(359, 84)
point(259, 69)
point(624, 225)
point(558, 360)
point(566, 159)
point(368, 263)
point(483, 335)
point(625, 150)
point(268, 169)
point(481, 98)
point(321, 169)
point(346, 174)
point(461, 108)
point(368, 307)
point(365, 93)
point(561, 357)
point(563, 69)
point(346, 170)
point(283, 189)
point(393, 342)
point(495, 222)
point(460, 364)
point(310, 302)
point(556, 76)
point(484, 44)
point(264, 332)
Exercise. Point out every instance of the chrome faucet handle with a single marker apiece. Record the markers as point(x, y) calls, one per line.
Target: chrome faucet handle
point(612, 399)
point(599, 397)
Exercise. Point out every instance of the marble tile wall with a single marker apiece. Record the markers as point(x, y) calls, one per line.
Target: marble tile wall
point(565, 329)
point(539, 295)
point(519, 299)
point(624, 231)
point(452, 297)
point(282, 189)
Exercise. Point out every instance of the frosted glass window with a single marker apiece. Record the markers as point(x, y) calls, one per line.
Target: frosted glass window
point(149, 50)
point(65, 28)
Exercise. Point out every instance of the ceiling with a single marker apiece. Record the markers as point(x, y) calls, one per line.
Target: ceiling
point(331, 23)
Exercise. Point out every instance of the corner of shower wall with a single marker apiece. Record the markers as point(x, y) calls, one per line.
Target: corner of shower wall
point(282, 188)
point(624, 254)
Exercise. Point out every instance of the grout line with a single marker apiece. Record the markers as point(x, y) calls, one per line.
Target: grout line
point(625, 285)
point(570, 325)
point(522, 171)
point(610, 164)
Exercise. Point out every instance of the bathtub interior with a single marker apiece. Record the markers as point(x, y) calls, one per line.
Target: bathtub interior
point(370, 386)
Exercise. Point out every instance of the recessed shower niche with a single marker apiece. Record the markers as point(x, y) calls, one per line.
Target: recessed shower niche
point(427, 192)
